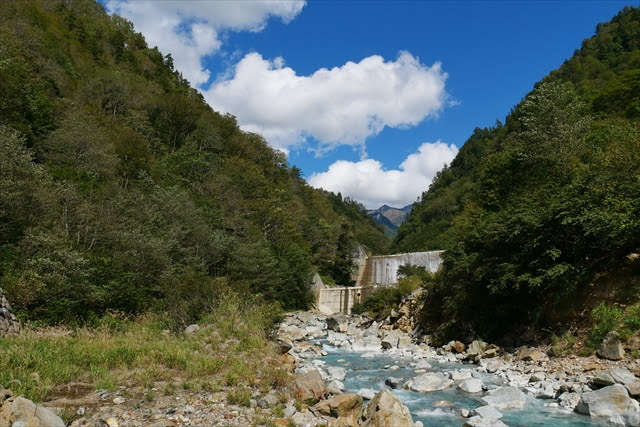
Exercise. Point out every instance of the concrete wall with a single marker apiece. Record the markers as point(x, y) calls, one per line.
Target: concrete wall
point(341, 299)
point(384, 269)
point(375, 271)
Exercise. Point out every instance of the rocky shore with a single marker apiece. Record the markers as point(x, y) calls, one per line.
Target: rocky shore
point(604, 389)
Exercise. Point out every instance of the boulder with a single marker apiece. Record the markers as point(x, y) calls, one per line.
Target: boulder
point(385, 409)
point(291, 333)
point(393, 382)
point(505, 398)
point(423, 364)
point(335, 387)
point(487, 412)
point(471, 385)
point(609, 401)
point(191, 329)
point(23, 412)
point(367, 343)
point(478, 421)
point(531, 355)
point(476, 348)
point(615, 376)
point(346, 407)
point(460, 375)
point(8, 322)
point(431, 381)
point(390, 340)
point(611, 347)
point(633, 388)
point(336, 373)
point(404, 341)
point(310, 386)
point(457, 347)
point(338, 323)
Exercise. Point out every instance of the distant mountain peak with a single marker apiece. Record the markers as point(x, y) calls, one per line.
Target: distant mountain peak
point(390, 218)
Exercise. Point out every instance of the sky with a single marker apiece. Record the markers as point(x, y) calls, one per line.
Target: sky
point(368, 98)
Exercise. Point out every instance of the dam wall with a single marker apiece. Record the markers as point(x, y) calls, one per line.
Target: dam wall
point(372, 272)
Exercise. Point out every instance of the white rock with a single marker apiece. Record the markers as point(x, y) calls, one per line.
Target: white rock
point(471, 385)
point(505, 398)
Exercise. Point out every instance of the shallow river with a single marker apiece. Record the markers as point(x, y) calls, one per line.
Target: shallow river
point(369, 373)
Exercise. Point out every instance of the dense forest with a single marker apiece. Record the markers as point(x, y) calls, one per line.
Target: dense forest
point(121, 190)
point(533, 210)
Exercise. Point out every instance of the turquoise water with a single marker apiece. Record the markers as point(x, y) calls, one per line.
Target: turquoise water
point(369, 373)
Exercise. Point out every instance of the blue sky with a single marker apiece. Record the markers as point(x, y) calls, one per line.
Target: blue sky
point(355, 141)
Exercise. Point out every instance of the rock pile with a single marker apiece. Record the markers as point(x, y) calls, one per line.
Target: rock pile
point(18, 411)
point(8, 322)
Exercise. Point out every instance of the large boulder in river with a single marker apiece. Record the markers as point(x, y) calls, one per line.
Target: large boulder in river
point(336, 373)
point(609, 401)
point(615, 376)
point(310, 386)
point(471, 385)
point(611, 347)
point(386, 410)
point(338, 323)
point(431, 381)
point(505, 398)
point(476, 349)
point(23, 412)
point(390, 339)
point(291, 333)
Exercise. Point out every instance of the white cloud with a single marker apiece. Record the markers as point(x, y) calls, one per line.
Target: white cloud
point(369, 183)
point(190, 30)
point(339, 106)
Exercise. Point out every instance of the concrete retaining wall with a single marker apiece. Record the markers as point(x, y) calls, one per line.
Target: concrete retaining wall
point(341, 299)
point(384, 269)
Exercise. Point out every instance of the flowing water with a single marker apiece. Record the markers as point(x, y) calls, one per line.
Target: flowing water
point(370, 373)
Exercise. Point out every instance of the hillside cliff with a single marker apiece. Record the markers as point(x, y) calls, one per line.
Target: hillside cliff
point(120, 188)
point(533, 210)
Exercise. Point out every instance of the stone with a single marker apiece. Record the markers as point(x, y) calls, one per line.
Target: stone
point(335, 387)
point(289, 411)
point(471, 385)
point(546, 392)
point(633, 388)
point(343, 406)
point(291, 333)
point(390, 340)
point(423, 364)
point(459, 375)
point(478, 421)
point(536, 377)
point(336, 373)
point(8, 322)
point(505, 398)
point(367, 343)
point(118, 400)
point(457, 347)
point(338, 323)
point(393, 382)
point(615, 376)
point(476, 348)
point(367, 393)
point(310, 386)
point(607, 402)
point(23, 412)
point(285, 345)
point(611, 347)
point(487, 412)
point(428, 382)
point(111, 422)
point(191, 329)
point(531, 355)
point(385, 409)
point(305, 419)
point(442, 404)
point(404, 341)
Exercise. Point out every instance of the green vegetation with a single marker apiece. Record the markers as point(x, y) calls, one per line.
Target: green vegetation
point(532, 210)
point(383, 300)
point(120, 189)
point(141, 352)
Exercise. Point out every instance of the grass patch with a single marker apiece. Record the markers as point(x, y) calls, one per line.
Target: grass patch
point(231, 349)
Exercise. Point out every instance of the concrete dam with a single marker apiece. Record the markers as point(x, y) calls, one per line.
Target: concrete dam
point(372, 272)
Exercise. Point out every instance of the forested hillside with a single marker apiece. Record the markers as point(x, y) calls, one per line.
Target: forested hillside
point(532, 211)
point(120, 189)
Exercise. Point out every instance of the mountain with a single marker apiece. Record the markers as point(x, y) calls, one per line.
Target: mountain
point(390, 218)
point(537, 212)
point(122, 190)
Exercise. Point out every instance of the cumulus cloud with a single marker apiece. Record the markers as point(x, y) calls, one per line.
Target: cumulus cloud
point(339, 106)
point(369, 183)
point(190, 29)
